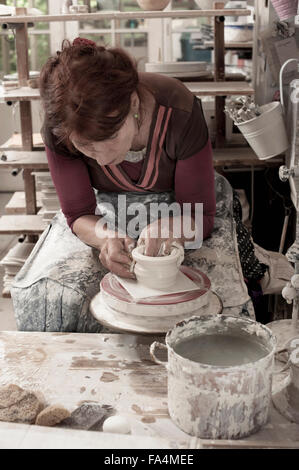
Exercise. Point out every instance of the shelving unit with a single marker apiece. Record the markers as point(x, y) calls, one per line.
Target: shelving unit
point(25, 151)
point(228, 45)
point(19, 94)
point(121, 15)
point(15, 143)
point(219, 88)
point(17, 203)
point(21, 224)
point(241, 157)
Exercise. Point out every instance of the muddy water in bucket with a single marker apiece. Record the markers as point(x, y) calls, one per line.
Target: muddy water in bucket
point(219, 376)
point(221, 349)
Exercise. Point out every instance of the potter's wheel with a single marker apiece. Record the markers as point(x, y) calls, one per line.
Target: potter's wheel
point(115, 308)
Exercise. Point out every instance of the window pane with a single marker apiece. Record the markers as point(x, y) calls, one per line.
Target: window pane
point(136, 45)
point(39, 50)
point(100, 39)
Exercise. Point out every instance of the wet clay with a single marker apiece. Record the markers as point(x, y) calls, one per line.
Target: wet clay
point(221, 349)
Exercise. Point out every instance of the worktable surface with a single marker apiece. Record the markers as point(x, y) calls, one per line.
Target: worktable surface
point(107, 369)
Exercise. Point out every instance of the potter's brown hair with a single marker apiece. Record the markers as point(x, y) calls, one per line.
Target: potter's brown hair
point(86, 89)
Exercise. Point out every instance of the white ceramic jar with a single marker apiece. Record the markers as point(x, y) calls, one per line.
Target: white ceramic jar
point(157, 272)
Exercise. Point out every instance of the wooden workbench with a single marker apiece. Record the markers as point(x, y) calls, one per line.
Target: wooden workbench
point(109, 369)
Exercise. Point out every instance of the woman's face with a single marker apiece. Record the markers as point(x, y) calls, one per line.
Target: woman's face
point(113, 150)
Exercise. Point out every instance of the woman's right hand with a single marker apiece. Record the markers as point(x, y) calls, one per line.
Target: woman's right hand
point(115, 255)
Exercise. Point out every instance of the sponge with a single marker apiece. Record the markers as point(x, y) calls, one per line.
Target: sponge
point(10, 395)
point(52, 415)
point(23, 409)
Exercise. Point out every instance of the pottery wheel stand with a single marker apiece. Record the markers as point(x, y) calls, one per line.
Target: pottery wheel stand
point(115, 308)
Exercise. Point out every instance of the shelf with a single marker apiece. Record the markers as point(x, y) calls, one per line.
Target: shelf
point(119, 15)
point(227, 156)
point(241, 157)
point(219, 88)
point(15, 143)
point(17, 203)
point(229, 77)
point(19, 94)
point(227, 45)
point(6, 293)
point(203, 89)
point(36, 160)
point(21, 224)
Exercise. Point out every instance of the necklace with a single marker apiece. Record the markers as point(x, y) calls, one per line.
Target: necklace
point(135, 156)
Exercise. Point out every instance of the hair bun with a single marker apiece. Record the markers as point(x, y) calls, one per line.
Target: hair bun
point(83, 42)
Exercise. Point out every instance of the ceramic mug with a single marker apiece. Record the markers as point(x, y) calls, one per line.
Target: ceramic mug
point(157, 272)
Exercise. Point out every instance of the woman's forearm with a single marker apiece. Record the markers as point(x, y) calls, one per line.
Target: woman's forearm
point(90, 231)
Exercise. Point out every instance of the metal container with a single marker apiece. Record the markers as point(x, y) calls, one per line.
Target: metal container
point(218, 402)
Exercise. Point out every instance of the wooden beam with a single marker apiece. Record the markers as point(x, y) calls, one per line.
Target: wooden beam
point(22, 49)
point(219, 75)
point(30, 197)
point(23, 75)
point(24, 93)
point(15, 143)
point(242, 157)
point(30, 191)
point(219, 88)
point(35, 160)
point(17, 203)
point(26, 125)
point(124, 15)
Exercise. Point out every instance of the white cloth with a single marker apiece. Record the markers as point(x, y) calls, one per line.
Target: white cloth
point(279, 273)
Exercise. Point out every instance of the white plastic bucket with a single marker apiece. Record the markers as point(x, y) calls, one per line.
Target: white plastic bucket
point(218, 402)
point(266, 134)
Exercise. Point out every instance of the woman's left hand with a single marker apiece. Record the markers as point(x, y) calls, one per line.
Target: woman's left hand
point(157, 239)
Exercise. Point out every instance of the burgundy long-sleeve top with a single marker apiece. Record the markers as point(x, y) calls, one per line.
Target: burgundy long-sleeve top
point(178, 158)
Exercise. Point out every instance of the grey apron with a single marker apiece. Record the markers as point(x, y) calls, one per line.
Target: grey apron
point(53, 290)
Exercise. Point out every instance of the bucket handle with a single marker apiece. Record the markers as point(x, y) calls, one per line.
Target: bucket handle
point(153, 346)
point(287, 364)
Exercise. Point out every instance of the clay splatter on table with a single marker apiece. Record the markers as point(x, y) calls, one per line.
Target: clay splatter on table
point(37, 355)
point(109, 377)
point(148, 419)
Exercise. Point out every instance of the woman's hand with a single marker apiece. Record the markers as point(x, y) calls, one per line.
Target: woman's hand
point(158, 237)
point(115, 255)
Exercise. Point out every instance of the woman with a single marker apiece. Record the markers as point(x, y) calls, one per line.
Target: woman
point(108, 127)
point(120, 111)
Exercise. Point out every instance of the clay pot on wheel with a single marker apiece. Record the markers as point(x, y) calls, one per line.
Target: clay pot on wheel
point(153, 5)
point(157, 272)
